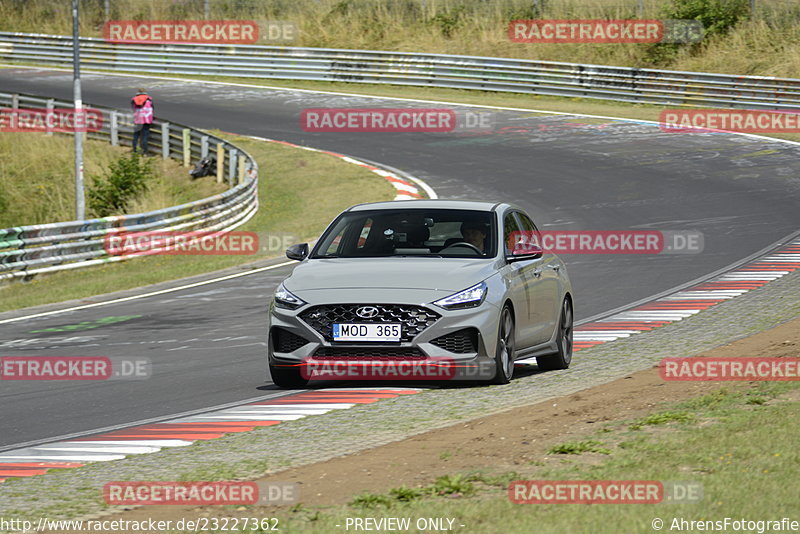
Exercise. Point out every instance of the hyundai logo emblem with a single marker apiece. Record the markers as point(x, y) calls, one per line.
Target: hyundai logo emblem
point(367, 312)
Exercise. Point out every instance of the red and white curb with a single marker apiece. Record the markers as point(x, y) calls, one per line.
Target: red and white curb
point(690, 301)
point(405, 189)
point(144, 439)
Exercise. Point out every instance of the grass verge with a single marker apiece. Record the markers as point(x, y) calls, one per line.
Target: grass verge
point(299, 193)
point(742, 452)
point(37, 184)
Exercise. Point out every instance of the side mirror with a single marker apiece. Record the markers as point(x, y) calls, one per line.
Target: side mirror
point(297, 252)
point(525, 252)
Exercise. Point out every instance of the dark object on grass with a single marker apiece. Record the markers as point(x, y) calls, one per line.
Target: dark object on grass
point(205, 167)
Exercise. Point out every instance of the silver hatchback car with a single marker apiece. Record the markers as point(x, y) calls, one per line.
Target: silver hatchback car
point(421, 280)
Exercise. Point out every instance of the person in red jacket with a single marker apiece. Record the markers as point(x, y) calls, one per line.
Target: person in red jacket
point(142, 106)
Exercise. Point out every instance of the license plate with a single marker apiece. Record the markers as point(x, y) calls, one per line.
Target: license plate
point(366, 332)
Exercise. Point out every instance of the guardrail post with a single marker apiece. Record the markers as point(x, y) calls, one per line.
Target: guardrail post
point(114, 127)
point(220, 162)
point(233, 156)
point(203, 146)
point(165, 140)
point(187, 147)
point(14, 101)
point(242, 163)
point(51, 103)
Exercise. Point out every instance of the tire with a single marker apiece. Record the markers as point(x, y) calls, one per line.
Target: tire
point(562, 358)
point(506, 349)
point(287, 377)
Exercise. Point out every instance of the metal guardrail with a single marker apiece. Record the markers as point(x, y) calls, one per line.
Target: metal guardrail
point(42, 248)
point(648, 86)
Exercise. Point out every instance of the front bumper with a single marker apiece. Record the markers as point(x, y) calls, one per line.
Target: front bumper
point(466, 338)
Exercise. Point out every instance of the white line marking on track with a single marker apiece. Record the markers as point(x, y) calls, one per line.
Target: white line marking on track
point(150, 294)
point(268, 413)
point(275, 417)
point(331, 406)
point(64, 457)
point(104, 449)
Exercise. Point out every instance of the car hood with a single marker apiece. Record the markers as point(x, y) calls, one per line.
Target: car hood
point(448, 274)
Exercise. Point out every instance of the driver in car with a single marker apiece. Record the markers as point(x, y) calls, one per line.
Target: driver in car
point(475, 234)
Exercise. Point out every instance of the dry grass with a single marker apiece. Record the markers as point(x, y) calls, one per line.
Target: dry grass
point(766, 44)
point(37, 179)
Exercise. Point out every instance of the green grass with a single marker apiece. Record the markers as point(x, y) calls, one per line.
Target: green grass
point(458, 485)
point(299, 194)
point(745, 457)
point(662, 418)
point(579, 447)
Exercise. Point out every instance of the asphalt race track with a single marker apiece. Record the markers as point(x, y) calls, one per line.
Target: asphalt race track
point(207, 343)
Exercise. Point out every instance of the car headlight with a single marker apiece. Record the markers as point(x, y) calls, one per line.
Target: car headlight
point(468, 298)
point(286, 299)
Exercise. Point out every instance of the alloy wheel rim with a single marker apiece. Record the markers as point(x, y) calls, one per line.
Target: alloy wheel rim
point(507, 340)
point(566, 331)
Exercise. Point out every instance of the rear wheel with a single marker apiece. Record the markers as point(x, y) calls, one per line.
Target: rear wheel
point(287, 377)
point(504, 355)
point(563, 357)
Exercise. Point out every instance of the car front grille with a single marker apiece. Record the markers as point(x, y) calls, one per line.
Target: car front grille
point(286, 341)
point(461, 341)
point(369, 353)
point(413, 319)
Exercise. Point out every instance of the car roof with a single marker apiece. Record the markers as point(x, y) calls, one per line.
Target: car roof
point(476, 205)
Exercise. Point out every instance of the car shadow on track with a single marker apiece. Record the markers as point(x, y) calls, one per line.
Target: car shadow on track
point(520, 370)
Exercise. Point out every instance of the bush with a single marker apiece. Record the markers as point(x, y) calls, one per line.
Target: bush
point(717, 16)
point(448, 21)
point(127, 178)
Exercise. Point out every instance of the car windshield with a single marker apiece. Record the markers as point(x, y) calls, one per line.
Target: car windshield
point(435, 233)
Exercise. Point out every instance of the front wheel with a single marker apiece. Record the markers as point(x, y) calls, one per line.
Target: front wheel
point(287, 377)
point(504, 355)
point(562, 358)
